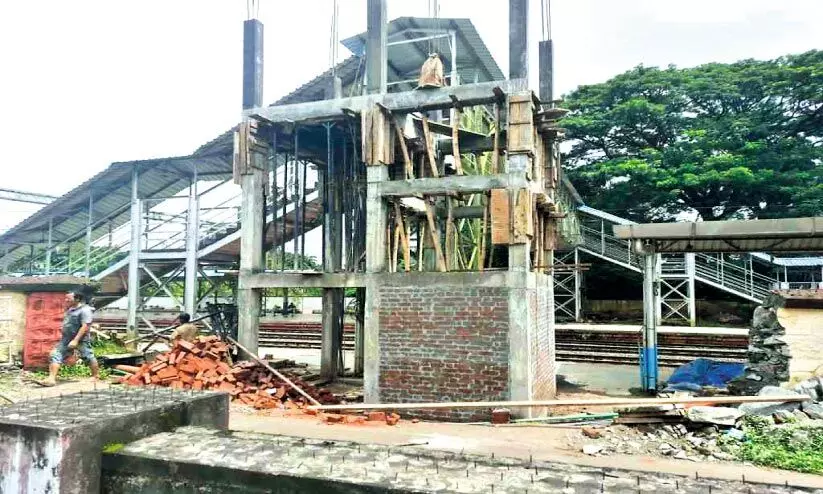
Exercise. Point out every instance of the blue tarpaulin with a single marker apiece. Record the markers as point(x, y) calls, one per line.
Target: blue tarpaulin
point(703, 372)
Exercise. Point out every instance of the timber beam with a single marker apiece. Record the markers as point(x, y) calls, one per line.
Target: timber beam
point(454, 184)
point(301, 280)
point(403, 102)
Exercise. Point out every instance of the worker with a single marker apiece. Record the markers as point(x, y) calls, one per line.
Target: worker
point(75, 336)
point(186, 330)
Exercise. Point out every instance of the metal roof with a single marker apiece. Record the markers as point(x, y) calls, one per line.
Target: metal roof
point(783, 235)
point(604, 215)
point(474, 61)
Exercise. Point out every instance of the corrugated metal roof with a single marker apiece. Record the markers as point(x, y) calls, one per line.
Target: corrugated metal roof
point(604, 215)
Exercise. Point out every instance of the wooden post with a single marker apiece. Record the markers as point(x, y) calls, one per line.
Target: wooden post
point(458, 164)
point(429, 147)
point(435, 235)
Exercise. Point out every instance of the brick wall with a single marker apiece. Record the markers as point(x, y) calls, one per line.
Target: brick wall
point(444, 343)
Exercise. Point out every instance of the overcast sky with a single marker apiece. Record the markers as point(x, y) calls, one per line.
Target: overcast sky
point(84, 83)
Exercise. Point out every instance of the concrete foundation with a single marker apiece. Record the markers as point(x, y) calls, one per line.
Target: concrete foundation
point(54, 445)
point(462, 337)
point(193, 459)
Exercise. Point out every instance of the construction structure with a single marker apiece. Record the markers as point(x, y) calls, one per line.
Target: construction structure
point(444, 210)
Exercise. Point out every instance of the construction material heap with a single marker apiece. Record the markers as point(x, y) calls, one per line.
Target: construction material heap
point(205, 364)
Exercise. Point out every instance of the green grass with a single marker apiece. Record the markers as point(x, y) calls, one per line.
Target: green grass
point(782, 447)
point(106, 347)
point(74, 371)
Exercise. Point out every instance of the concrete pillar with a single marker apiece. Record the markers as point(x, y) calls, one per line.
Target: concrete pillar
point(134, 257)
point(333, 305)
point(192, 244)
point(546, 68)
point(376, 217)
point(648, 357)
point(251, 257)
point(518, 39)
point(577, 294)
point(252, 63)
point(376, 47)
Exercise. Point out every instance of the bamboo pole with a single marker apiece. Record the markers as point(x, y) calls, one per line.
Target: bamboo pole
point(404, 236)
point(435, 236)
point(404, 150)
point(496, 150)
point(483, 235)
point(450, 261)
point(274, 371)
point(458, 165)
point(703, 400)
point(429, 147)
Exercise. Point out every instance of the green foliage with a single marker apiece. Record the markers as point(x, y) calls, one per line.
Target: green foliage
point(797, 446)
point(724, 140)
point(113, 447)
point(77, 370)
point(107, 347)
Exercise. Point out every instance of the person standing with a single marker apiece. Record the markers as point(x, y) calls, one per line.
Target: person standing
point(75, 336)
point(186, 330)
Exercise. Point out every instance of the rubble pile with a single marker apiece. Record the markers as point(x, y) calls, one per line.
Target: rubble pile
point(204, 364)
point(768, 354)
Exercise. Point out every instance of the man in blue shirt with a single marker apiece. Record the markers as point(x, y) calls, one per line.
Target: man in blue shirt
point(76, 335)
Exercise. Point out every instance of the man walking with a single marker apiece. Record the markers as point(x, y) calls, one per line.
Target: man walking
point(76, 335)
point(186, 330)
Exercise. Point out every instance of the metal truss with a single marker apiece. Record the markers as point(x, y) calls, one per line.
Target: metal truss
point(567, 285)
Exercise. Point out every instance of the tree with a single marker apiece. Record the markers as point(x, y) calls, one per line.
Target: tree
point(741, 140)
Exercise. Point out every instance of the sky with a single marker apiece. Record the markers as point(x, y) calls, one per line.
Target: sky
point(84, 83)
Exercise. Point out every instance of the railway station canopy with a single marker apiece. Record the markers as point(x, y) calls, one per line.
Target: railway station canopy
point(774, 235)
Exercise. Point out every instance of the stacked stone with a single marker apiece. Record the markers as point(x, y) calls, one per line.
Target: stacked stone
point(768, 354)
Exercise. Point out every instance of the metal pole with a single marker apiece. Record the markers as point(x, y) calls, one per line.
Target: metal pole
point(89, 228)
point(690, 259)
point(453, 48)
point(295, 224)
point(648, 357)
point(577, 301)
point(192, 242)
point(48, 248)
point(134, 257)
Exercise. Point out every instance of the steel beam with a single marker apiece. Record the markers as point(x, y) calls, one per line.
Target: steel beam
point(192, 243)
point(30, 197)
point(89, 231)
point(49, 246)
point(134, 257)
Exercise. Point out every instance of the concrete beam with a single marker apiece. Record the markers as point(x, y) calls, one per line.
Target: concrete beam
point(405, 102)
point(455, 183)
point(301, 280)
point(518, 39)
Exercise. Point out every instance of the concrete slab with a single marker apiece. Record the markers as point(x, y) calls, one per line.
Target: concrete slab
point(193, 459)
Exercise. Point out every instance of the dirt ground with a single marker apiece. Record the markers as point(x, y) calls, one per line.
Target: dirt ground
point(558, 443)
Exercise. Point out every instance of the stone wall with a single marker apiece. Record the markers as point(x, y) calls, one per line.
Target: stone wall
point(768, 355)
point(444, 343)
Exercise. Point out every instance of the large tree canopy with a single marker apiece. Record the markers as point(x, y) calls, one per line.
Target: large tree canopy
point(722, 140)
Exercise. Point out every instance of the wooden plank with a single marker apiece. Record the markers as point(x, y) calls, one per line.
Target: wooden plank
point(456, 142)
point(520, 129)
point(703, 400)
point(500, 213)
point(427, 138)
point(435, 235)
point(522, 225)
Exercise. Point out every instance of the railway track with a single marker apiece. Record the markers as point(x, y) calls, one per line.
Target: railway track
point(571, 345)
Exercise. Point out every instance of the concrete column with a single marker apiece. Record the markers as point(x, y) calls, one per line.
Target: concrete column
point(333, 305)
point(518, 39)
point(376, 213)
point(192, 244)
point(134, 257)
point(648, 358)
point(89, 227)
point(252, 63)
point(251, 257)
point(577, 295)
point(546, 59)
point(376, 47)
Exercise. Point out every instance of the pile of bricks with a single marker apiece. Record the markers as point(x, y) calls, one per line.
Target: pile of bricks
point(203, 364)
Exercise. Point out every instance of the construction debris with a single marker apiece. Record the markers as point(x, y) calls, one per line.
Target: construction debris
point(204, 365)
